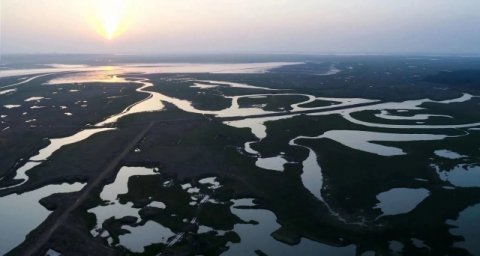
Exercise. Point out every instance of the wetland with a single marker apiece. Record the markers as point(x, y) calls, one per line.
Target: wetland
point(281, 155)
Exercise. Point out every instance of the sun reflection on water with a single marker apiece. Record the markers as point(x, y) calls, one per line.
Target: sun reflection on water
point(107, 74)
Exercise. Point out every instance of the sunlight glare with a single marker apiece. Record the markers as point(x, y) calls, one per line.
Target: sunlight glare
point(112, 13)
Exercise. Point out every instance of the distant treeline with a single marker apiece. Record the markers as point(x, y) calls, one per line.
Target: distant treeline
point(459, 77)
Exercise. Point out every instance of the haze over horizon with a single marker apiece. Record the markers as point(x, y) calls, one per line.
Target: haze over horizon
point(239, 26)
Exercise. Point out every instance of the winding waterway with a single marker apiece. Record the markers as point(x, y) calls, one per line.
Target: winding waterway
point(312, 176)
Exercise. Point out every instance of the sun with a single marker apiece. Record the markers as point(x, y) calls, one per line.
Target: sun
point(112, 15)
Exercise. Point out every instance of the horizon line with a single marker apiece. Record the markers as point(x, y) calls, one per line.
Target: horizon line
point(240, 53)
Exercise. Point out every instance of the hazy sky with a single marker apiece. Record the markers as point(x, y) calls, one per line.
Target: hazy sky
point(173, 26)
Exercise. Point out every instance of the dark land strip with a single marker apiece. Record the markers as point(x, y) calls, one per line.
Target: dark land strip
point(43, 238)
